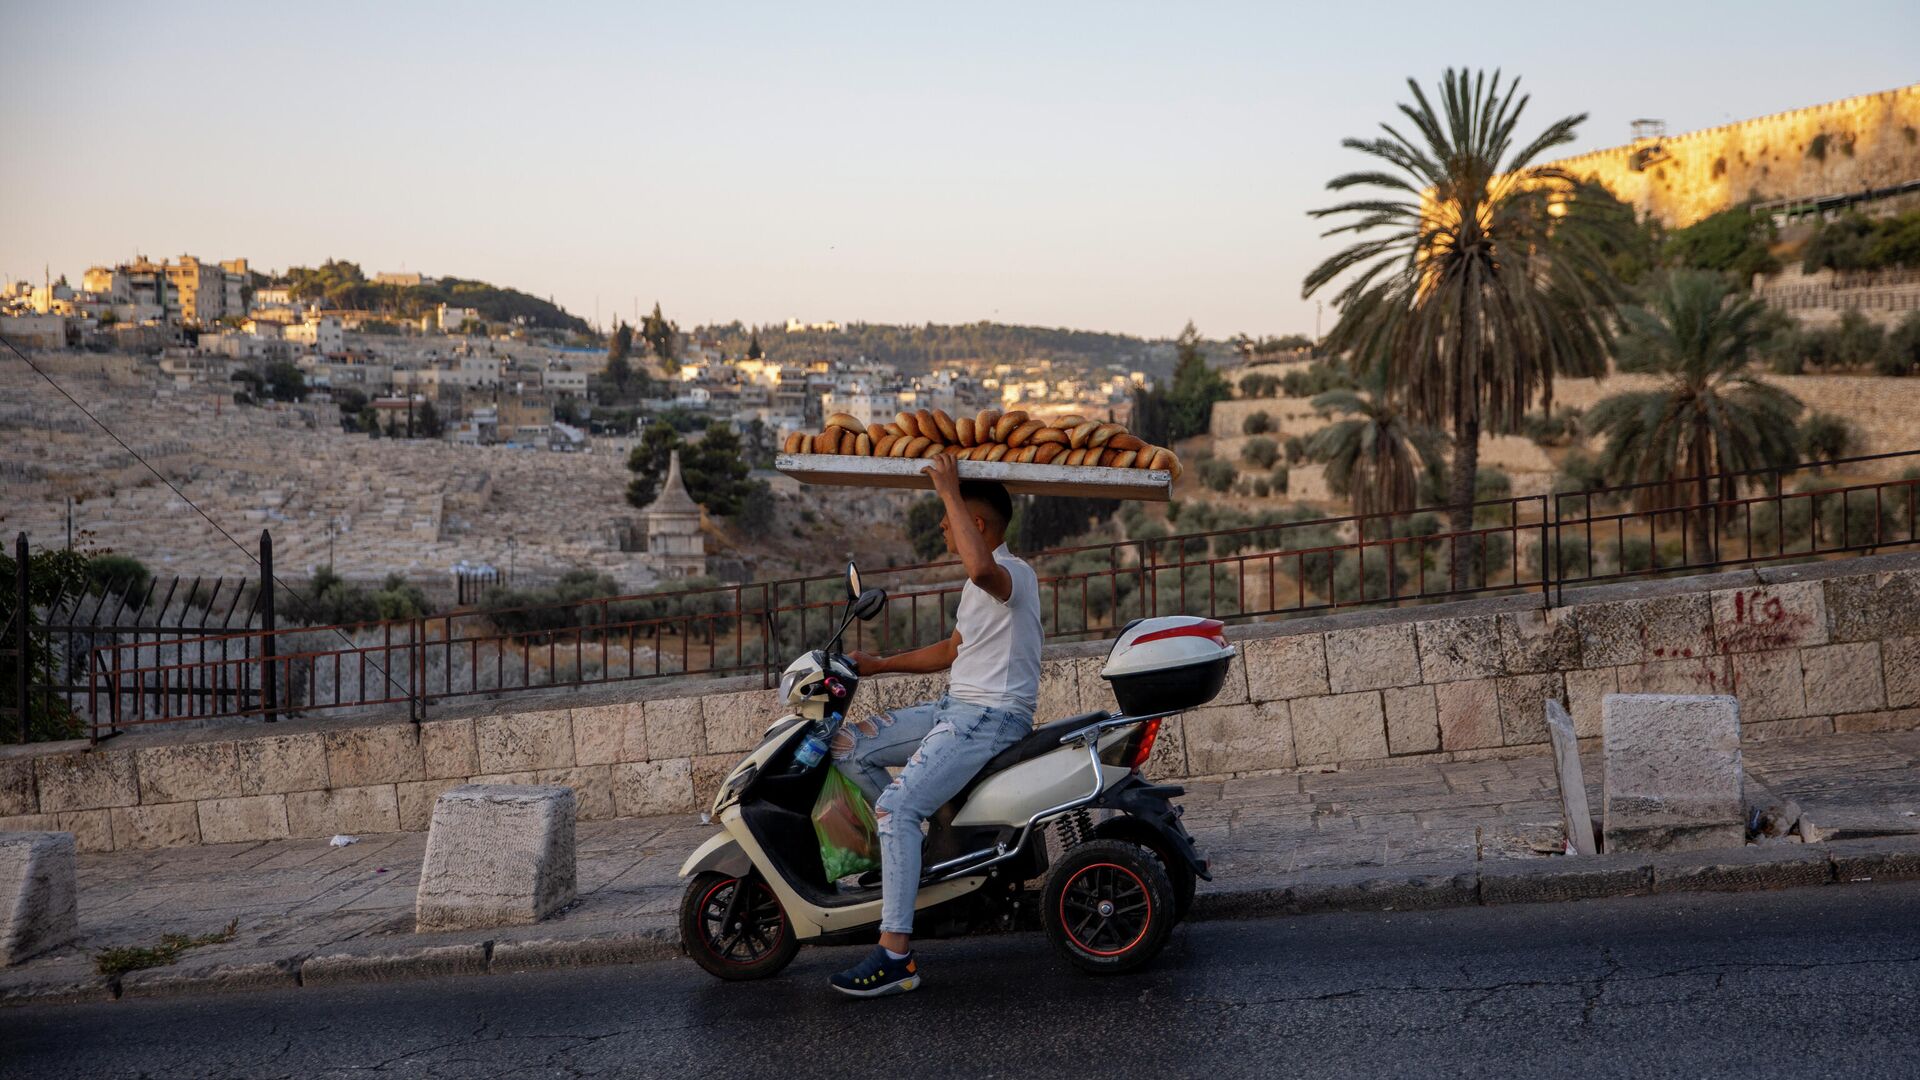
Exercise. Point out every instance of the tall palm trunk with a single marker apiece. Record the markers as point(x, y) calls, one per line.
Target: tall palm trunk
point(1466, 467)
point(1704, 514)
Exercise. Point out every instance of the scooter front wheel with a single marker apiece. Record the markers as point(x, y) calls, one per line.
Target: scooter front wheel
point(1108, 906)
point(757, 941)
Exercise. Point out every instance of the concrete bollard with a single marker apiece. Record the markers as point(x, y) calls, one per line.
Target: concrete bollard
point(39, 902)
point(497, 855)
point(1673, 780)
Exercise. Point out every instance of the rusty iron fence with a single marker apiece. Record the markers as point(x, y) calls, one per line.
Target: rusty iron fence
point(1276, 568)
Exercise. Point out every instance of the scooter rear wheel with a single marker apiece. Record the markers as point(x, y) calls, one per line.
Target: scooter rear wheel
point(757, 944)
point(1108, 906)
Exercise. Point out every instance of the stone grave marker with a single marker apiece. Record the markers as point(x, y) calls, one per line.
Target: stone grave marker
point(1673, 780)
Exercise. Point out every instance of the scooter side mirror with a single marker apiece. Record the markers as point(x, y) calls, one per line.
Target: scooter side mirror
point(869, 603)
point(853, 581)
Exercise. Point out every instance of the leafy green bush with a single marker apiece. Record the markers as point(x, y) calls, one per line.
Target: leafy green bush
point(1217, 474)
point(1281, 479)
point(1825, 436)
point(119, 574)
point(1733, 241)
point(1318, 378)
point(1257, 423)
point(1296, 449)
point(1260, 452)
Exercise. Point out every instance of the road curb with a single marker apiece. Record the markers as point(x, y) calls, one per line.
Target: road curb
point(1414, 887)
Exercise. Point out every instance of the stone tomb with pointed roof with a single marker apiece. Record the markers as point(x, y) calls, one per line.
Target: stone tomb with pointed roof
point(675, 547)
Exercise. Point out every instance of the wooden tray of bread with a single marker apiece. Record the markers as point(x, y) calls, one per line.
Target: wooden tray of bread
point(1062, 455)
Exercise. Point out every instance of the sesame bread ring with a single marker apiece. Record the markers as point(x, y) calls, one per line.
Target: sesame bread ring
point(1007, 423)
point(909, 426)
point(845, 422)
point(948, 433)
point(997, 451)
point(863, 444)
point(1018, 436)
point(1045, 452)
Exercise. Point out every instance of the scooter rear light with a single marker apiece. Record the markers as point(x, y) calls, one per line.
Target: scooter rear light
point(1143, 747)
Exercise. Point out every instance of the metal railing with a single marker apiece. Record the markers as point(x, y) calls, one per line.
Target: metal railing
point(1268, 569)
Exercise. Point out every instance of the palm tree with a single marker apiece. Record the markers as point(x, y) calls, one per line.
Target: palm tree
point(1376, 456)
point(1711, 416)
point(1481, 276)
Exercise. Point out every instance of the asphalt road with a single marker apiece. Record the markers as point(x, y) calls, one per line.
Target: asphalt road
point(1822, 980)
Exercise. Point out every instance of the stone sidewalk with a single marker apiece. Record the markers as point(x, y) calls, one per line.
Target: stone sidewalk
point(308, 912)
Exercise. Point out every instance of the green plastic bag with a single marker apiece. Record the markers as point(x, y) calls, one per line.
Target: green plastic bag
point(843, 822)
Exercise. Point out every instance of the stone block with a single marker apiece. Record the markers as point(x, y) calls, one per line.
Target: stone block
point(1238, 738)
point(190, 771)
point(592, 787)
point(1884, 720)
point(633, 735)
point(497, 855)
point(414, 801)
point(1768, 685)
point(1770, 617)
point(1741, 869)
point(1797, 728)
point(39, 894)
point(364, 756)
point(86, 780)
point(1673, 773)
point(1522, 721)
point(16, 787)
point(164, 825)
point(1539, 640)
point(33, 823)
point(1168, 758)
point(1094, 691)
point(531, 740)
point(1342, 727)
point(1693, 675)
point(1843, 678)
point(1372, 657)
point(599, 732)
point(243, 819)
point(448, 750)
point(523, 777)
point(1900, 660)
point(1868, 607)
point(1288, 667)
point(406, 962)
point(1233, 691)
point(92, 829)
point(1413, 719)
point(1532, 881)
point(734, 722)
point(1469, 714)
point(709, 771)
point(642, 788)
point(1059, 695)
point(1610, 634)
point(1677, 627)
point(675, 728)
point(1576, 818)
point(1456, 649)
point(341, 810)
point(277, 764)
point(1584, 691)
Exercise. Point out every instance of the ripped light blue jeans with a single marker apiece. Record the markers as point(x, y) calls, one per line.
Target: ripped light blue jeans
point(942, 745)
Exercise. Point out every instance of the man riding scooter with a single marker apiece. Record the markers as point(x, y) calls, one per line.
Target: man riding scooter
point(993, 658)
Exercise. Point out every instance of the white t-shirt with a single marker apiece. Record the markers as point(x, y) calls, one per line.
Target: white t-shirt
point(998, 665)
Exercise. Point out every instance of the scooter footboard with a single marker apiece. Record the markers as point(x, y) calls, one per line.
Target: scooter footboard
point(720, 853)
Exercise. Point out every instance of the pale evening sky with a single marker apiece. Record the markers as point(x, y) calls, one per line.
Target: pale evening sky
point(1102, 166)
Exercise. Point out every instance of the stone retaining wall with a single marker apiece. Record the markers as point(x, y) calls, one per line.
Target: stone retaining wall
point(1808, 650)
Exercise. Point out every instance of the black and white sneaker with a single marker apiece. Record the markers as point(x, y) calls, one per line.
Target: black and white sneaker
point(879, 974)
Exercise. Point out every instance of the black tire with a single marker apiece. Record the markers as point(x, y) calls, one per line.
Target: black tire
point(1108, 906)
point(765, 944)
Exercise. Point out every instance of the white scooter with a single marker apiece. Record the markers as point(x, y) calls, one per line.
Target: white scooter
point(1123, 875)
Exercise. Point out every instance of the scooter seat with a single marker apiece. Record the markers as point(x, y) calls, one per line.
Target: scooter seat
point(1040, 740)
